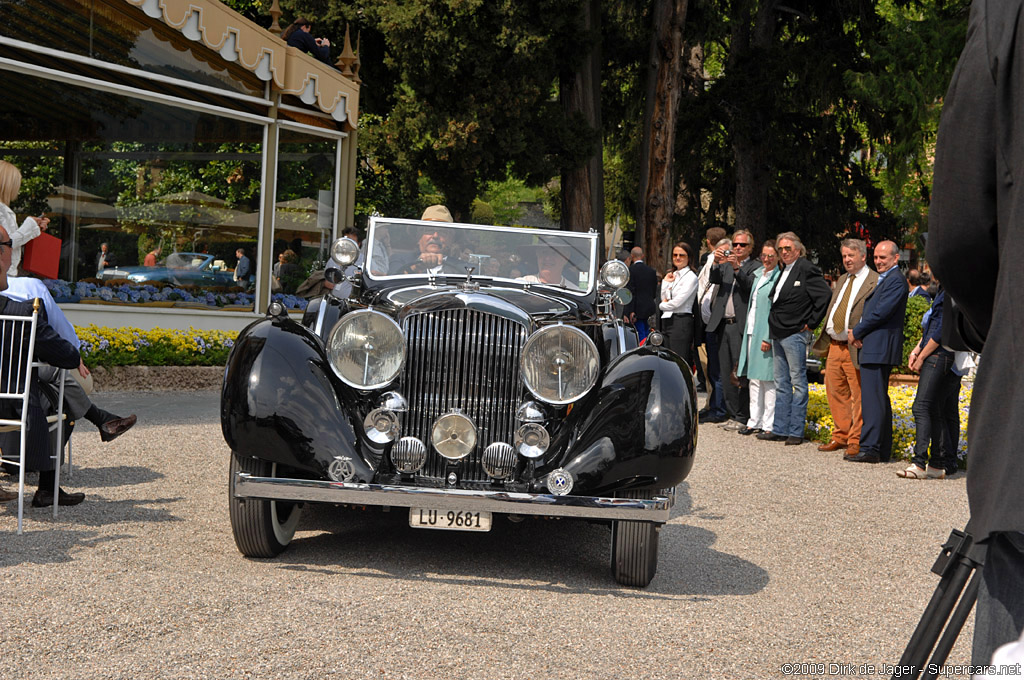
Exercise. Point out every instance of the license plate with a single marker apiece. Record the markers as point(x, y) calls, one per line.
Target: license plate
point(454, 520)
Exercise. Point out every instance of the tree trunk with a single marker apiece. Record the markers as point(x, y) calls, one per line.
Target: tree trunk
point(580, 93)
point(750, 141)
point(664, 91)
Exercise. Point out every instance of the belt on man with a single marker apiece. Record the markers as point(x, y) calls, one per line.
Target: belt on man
point(731, 319)
point(837, 342)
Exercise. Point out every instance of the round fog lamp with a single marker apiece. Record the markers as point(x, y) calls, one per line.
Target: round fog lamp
point(532, 440)
point(453, 436)
point(381, 426)
point(655, 339)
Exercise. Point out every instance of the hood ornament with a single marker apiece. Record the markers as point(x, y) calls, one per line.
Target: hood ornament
point(469, 283)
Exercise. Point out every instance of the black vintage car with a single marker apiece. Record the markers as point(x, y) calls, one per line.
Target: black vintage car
point(465, 373)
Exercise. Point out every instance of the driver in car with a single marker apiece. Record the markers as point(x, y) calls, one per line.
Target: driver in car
point(433, 257)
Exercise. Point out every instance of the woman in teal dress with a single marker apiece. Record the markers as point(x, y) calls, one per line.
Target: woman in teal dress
point(757, 363)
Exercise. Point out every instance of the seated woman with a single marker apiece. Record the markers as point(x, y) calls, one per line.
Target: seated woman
point(299, 34)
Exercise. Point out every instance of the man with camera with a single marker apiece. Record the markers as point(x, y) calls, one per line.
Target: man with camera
point(733, 274)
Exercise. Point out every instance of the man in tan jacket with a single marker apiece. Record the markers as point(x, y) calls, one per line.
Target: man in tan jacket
point(842, 371)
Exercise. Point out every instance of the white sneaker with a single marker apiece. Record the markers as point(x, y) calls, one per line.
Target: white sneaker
point(935, 473)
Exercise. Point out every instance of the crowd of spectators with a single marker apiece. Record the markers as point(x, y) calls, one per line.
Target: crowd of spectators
point(745, 320)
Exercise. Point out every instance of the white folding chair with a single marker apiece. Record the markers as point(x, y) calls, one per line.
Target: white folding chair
point(17, 348)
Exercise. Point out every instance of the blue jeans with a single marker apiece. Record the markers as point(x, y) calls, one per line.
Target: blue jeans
point(791, 384)
point(716, 391)
point(934, 389)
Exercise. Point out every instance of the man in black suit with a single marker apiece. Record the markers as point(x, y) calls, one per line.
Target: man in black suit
point(879, 341)
point(643, 284)
point(54, 350)
point(977, 213)
point(733, 274)
point(800, 299)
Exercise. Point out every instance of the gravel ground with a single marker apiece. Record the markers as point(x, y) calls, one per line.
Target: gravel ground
point(774, 555)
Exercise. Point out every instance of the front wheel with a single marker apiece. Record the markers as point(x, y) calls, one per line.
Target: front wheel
point(635, 548)
point(261, 528)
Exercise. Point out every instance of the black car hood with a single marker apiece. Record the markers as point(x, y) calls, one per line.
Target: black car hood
point(516, 303)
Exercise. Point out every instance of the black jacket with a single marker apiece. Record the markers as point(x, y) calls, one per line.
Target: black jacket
point(643, 284)
point(802, 301)
point(723, 275)
point(975, 219)
point(55, 351)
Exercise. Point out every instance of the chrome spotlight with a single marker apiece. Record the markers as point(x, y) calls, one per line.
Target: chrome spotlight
point(408, 455)
point(454, 436)
point(499, 460)
point(559, 482)
point(532, 440)
point(381, 426)
point(655, 339)
point(529, 412)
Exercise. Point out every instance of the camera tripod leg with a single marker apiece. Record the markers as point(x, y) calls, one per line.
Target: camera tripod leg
point(956, 624)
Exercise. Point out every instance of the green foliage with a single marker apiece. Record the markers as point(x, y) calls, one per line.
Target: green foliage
point(504, 197)
point(916, 307)
point(483, 213)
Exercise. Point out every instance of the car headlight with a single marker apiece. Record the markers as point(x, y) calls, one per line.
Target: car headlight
point(614, 274)
point(559, 364)
point(345, 252)
point(366, 349)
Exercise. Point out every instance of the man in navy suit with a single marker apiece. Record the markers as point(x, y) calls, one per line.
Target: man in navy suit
point(800, 299)
point(879, 337)
point(643, 284)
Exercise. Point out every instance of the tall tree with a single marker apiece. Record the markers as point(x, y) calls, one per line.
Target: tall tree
point(664, 91)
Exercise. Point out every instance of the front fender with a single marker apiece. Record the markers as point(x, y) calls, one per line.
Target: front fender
point(640, 429)
point(281, 402)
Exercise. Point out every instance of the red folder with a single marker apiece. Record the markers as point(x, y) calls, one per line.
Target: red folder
point(42, 256)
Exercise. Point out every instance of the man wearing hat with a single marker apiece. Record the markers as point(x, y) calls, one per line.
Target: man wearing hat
point(433, 256)
point(551, 262)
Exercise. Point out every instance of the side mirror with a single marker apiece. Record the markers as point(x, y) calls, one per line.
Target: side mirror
point(334, 275)
point(623, 296)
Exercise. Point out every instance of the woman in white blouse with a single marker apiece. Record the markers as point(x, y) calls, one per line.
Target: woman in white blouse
point(10, 185)
point(678, 292)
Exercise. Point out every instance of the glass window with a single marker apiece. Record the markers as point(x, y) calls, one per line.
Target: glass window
point(303, 208)
point(173, 193)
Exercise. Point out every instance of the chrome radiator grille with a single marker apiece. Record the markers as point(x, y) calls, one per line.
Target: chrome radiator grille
point(467, 360)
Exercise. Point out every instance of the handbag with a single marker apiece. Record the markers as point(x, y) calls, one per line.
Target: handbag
point(41, 256)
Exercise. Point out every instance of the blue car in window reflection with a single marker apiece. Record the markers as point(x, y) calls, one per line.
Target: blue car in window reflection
point(182, 269)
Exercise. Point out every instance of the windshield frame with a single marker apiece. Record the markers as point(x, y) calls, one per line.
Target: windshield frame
point(591, 250)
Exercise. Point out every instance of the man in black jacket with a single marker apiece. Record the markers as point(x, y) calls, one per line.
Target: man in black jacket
point(54, 350)
point(733, 274)
point(977, 213)
point(643, 284)
point(799, 301)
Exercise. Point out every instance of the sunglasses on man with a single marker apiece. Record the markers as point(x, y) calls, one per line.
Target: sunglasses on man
point(739, 244)
point(9, 243)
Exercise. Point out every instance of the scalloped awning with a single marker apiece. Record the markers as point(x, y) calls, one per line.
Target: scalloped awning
point(237, 39)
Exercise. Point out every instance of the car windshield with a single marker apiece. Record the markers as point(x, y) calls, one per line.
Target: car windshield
point(186, 260)
point(413, 248)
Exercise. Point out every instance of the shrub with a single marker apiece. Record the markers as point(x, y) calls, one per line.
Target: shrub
point(916, 307)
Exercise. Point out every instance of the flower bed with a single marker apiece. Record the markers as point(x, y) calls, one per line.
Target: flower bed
point(157, 347)
point(819, 419)
point(154, 293)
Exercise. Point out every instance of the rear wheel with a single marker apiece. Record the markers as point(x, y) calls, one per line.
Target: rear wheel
point(261, 528)
point(635, 548)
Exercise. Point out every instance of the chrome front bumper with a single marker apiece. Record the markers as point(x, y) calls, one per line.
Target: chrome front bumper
point(588, 507)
